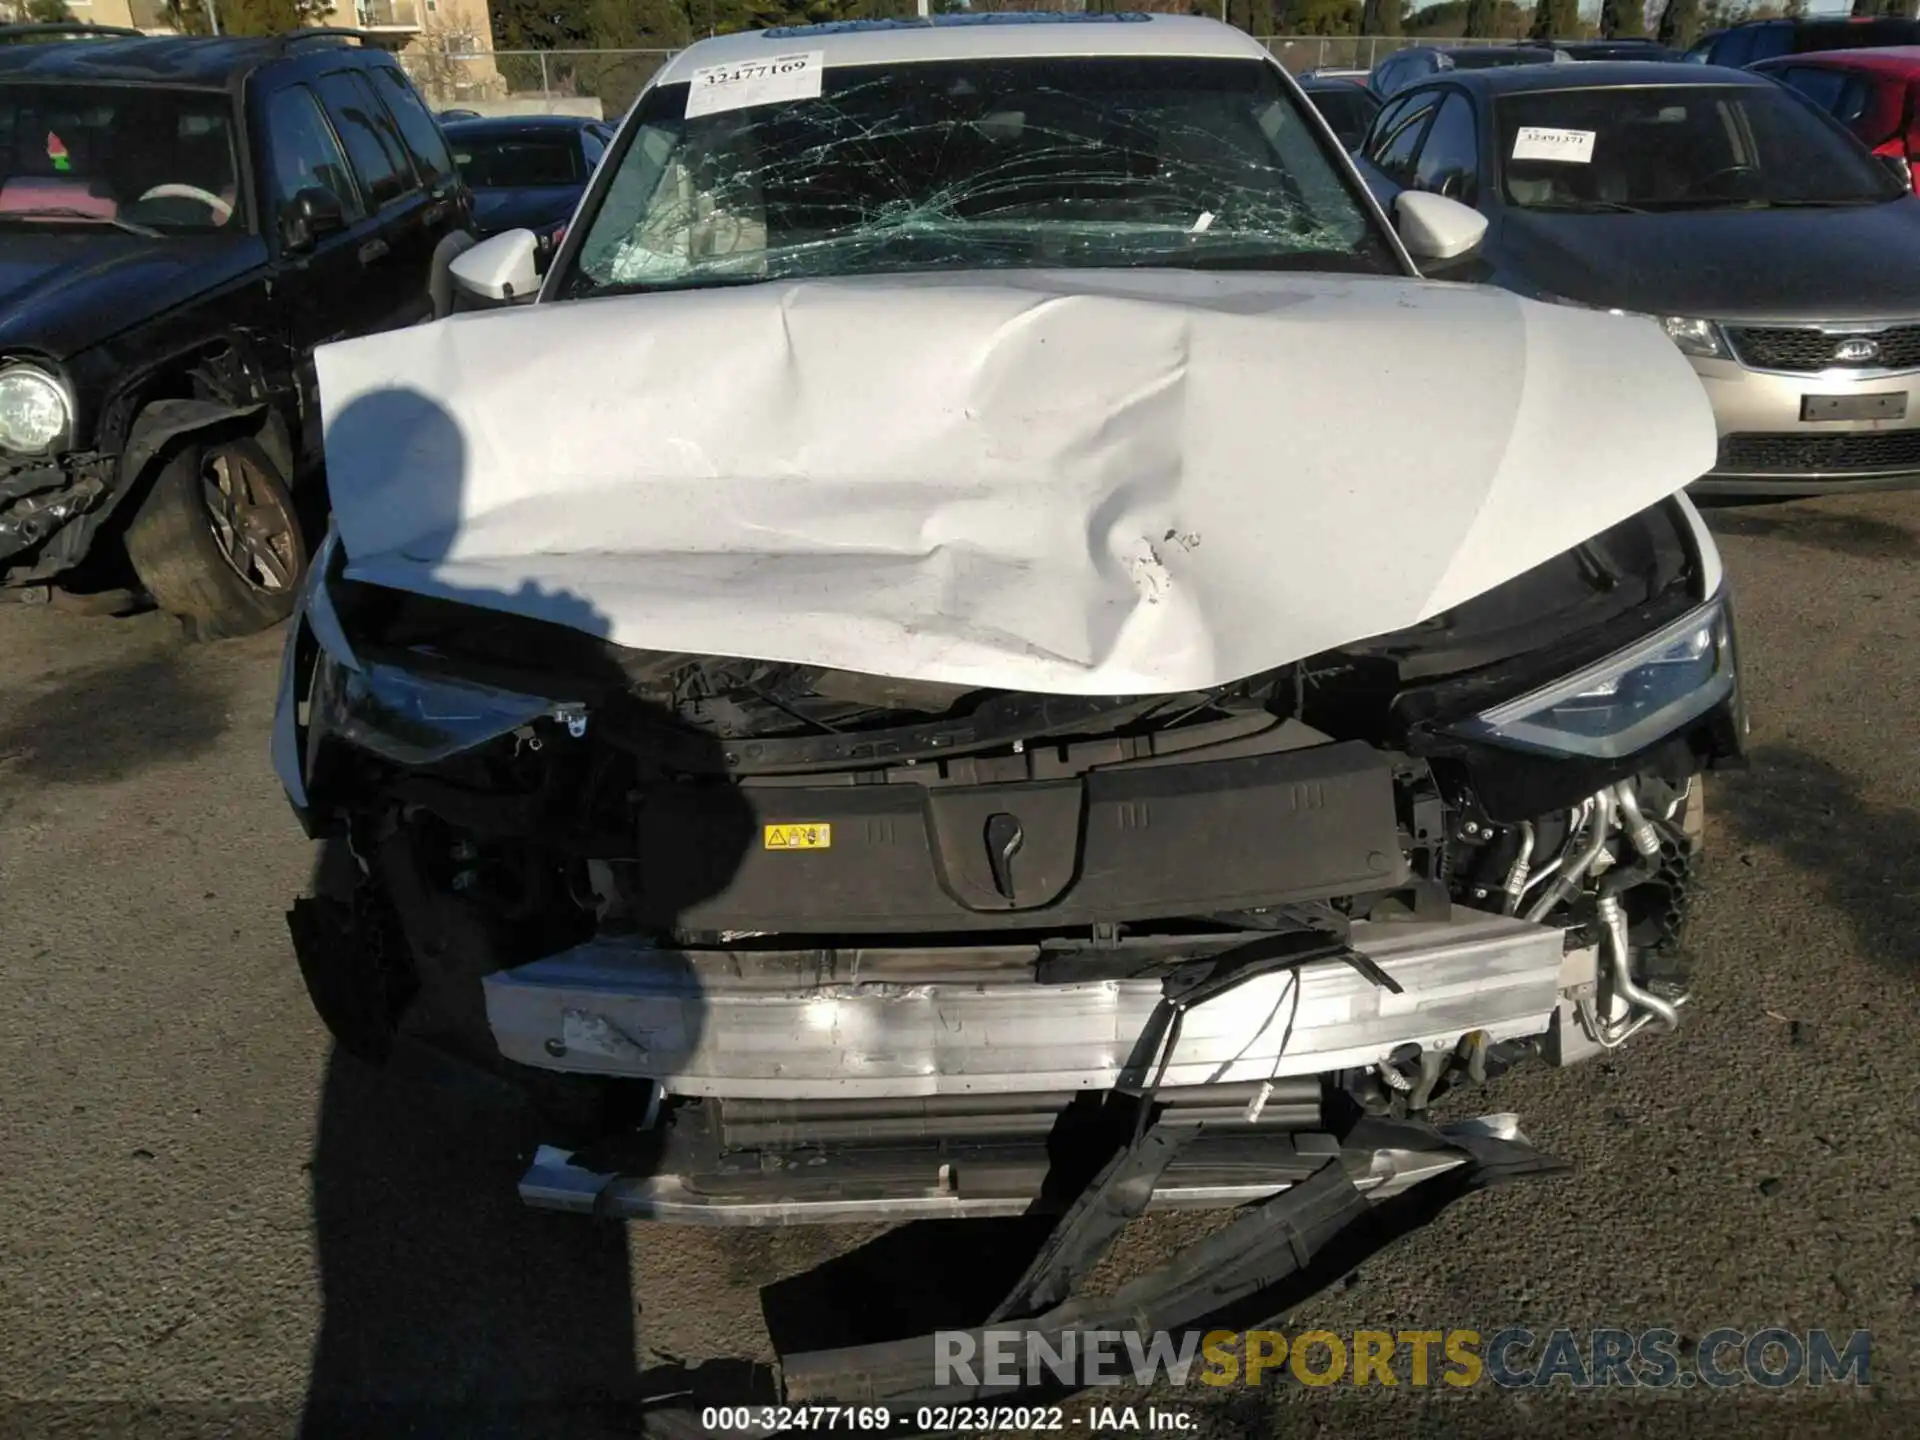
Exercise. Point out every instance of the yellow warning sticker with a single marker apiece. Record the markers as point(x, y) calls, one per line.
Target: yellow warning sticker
point(799, 837)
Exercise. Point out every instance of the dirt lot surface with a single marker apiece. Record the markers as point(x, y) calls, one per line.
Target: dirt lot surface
point(209, 1224)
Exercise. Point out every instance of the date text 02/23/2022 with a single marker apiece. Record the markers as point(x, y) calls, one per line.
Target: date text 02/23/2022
point(940, 1419)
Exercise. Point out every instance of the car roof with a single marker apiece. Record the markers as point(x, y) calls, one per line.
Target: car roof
point(1331, 82)
point(1028, 34)
point(1819, 22)
point(199, 61)
point(1887, 59)
point(494, 125)
point(1595, 75)
point(1481, 49)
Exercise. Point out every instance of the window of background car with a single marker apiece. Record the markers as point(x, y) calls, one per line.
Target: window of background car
point(1733, 49)
point(1694, 147)
point(303, 153)
point(373, 145)
point(1769, 39)
point(1348, 109)
point(1450, 155)
point(1394, 144)
point(968, 165)
point(423, 138)
point(101, 154)
point(593, 144)
point(520, 162)
point(1869, 108)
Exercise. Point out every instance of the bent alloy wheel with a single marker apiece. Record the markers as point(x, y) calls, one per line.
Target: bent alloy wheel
point(252, 521)
point(218, 542)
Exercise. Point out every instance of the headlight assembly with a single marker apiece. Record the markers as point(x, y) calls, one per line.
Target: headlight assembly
point(415, 719)
point(1628, 700)
point(1695, 337)
point(34, 410)
point(1702, 338)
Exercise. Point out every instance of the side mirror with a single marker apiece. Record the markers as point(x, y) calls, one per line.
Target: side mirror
point(505, 267)
point(309, 216)
point(1433, 227)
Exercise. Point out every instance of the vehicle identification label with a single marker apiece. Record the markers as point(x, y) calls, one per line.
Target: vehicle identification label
point(716, 89)
point(799, 837)
point(1539, 142)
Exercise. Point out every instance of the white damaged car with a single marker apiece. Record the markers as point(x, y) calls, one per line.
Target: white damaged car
point(987, 644)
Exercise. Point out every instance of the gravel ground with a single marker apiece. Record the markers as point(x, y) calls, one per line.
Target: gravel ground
point(211, 1224)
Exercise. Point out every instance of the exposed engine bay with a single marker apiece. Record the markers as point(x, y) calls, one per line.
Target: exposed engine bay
point(829, 945)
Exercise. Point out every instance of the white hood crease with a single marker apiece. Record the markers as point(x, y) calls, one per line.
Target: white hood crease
point(1097, 483)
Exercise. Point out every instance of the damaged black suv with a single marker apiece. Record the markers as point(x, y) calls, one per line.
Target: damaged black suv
point(181, 222)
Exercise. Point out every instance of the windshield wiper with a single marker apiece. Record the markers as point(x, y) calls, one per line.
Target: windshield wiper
point(1815, 204)
point(1592, 207)
point(70, 212)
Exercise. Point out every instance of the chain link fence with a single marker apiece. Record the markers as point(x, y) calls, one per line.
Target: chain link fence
point(605, 82)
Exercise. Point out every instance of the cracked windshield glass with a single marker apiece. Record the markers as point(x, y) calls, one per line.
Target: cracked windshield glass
point(1015, 164)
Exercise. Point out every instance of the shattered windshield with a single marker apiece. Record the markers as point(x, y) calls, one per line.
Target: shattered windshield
point(147, 159)
point(1024, 163)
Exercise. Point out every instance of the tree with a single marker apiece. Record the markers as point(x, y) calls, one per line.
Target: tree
point(1621, 18)
point(47, 12)
point(1480, 15)
point(1380, 17)
point(1554, 20)
point(248, 17)
point(1679, 23)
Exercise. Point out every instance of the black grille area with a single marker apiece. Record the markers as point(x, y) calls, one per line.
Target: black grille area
point(1820, 454)
point(1784, 348)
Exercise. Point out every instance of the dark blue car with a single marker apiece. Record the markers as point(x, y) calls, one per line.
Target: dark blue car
point(526, 171)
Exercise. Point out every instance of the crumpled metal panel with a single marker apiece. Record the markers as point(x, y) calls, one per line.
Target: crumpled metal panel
point(700, 1024)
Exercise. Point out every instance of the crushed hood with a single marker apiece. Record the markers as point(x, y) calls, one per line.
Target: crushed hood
point(1102, 483)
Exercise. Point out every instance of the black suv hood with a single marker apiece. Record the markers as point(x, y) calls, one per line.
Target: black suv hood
point(1852, 263)
point(64, 288)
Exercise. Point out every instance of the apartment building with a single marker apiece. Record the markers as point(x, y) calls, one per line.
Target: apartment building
point(447, 45)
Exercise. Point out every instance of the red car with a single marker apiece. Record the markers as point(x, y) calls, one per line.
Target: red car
point(1871, 92)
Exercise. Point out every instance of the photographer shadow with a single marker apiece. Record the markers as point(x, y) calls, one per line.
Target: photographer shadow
point(450, 1307)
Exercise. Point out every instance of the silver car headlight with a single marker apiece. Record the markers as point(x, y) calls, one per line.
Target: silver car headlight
point(35, 412)
point(1695, 337)
point(1628, 700)
point(1692, 336)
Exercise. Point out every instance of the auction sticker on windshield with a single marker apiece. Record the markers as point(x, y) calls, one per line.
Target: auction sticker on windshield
point(1540, 142)
point(716, 89)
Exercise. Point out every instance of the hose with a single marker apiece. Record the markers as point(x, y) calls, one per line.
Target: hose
point(1567, 883)
point(1614, 918)
point(1516, 885)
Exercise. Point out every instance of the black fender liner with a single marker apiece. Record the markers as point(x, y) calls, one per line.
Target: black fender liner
point(159, 427)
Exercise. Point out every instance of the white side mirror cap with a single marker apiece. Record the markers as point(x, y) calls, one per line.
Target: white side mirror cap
point(501, 268)
point(1432, 227)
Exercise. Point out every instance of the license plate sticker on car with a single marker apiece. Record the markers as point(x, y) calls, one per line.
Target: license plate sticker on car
point(799, 837)
point(1887, 405)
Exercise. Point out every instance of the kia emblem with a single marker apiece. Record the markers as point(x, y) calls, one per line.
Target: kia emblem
point(1856, 349)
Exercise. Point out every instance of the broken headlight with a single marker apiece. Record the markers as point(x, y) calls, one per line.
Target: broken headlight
point(414, 719)
point(1627, 701)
